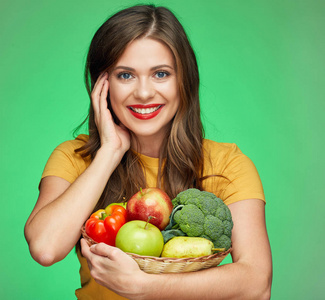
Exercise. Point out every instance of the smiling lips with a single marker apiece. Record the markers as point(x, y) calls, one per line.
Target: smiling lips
point(145, 112)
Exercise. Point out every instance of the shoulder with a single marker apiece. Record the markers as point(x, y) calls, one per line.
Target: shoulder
point(210, 144)
point(64, 162)
point(224, 157)
point(237, 177)
point(220, 151)
point(72, 145)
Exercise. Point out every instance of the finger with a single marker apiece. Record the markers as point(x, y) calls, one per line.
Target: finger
point(100, 249)
point(85, 249)
point(99, 80)
point(105, 250)
point(103, 96)
point(96, 92)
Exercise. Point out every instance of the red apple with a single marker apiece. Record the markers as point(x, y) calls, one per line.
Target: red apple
point(150, 202)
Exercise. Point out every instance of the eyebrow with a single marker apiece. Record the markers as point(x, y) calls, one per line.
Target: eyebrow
point(151, 69)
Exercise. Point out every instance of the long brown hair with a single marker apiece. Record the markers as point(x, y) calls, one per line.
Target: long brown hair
point(181, 158)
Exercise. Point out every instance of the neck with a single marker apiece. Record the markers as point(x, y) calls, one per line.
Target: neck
point(147, 146)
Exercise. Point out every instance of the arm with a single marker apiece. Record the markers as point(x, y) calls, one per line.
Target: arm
point(53, 227)
point(248, 277)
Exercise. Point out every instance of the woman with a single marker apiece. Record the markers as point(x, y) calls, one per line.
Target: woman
point(145, 130)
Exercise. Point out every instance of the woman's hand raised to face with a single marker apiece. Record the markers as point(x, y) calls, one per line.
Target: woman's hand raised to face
point(117, 137)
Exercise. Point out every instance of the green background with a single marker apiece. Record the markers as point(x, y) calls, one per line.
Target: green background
point(262, 87)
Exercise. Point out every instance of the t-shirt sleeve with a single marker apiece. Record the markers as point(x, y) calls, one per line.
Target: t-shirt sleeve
point(65, 163)
point(235, 176)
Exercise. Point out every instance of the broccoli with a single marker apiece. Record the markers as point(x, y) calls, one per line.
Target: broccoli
point(201, 214)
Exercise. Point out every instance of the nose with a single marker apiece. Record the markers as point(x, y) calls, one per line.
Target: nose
point(144, 89)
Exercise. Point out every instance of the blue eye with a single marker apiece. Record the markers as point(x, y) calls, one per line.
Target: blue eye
point(161, 74)
point(125, 76)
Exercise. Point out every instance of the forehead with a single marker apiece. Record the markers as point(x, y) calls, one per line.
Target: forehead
point(146, 52)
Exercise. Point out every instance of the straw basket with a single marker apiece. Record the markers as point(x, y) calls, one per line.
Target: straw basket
point(156, 265)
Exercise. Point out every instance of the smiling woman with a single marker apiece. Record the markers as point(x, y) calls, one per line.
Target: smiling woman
point(143, 86)
point(145, 131)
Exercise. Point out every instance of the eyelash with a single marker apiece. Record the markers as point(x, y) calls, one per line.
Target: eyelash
point(119, 75)
point(165, 73)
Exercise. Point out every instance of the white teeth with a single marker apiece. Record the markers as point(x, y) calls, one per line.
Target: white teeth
point(144, 111)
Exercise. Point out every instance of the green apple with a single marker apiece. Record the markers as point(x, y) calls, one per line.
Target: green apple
point(140, 237)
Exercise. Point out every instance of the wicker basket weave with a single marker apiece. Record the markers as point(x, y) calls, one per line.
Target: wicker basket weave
point(156, 265)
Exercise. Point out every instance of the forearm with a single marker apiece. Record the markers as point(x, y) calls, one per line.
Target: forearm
point(55, 228)
point(232, 281)
point(248, 277)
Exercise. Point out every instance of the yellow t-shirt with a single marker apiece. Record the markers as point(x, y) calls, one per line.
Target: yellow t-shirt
point(237, 180)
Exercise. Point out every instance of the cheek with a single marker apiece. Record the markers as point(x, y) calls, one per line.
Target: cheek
point(116, 107)
point(174, 97)
point(112, 100)
point(170, 91)
point(115, 96)
point(118, 97)
point(119, 92)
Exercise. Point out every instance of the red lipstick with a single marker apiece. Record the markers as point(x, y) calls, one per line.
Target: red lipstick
point(145, 112)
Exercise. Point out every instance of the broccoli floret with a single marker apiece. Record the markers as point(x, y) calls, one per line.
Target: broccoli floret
point(213, 227)
point(190, 219)
point(222, 212)
point(203, 214)
point(183, 197)
point(208, 204)
point(227, 225)
point(222, 242)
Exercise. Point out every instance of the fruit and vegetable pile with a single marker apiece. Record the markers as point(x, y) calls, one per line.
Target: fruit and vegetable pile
point(194, 224)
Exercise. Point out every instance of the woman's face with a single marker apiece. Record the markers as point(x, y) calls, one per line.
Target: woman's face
point(143, 88)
